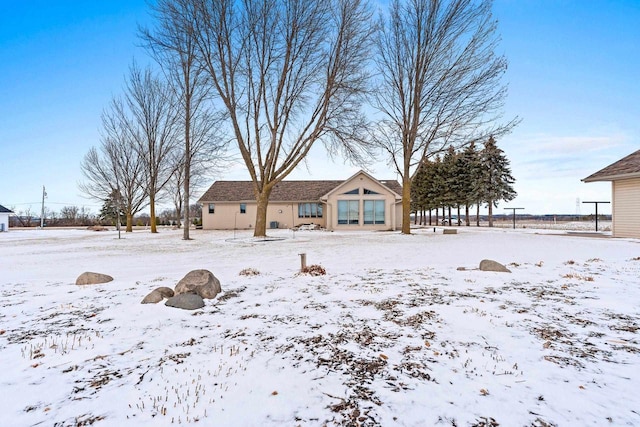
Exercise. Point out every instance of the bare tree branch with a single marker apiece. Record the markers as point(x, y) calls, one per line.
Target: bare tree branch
point(440, 82)
point(289, 74)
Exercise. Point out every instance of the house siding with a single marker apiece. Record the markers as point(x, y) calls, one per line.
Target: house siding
point(361, 182)
point(4, 222)
point(288, 195)
point(227, 216)
point(626, 208)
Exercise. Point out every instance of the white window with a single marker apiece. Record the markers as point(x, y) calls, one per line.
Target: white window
point(348, 212)
point(309, 210)
point(373, 211)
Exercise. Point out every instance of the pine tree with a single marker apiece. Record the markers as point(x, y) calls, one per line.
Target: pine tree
point(449, 177)
point(496, 180)
point(470, 172)
point(112, 209)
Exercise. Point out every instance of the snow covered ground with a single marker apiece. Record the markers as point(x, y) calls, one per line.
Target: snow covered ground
point(393, 335)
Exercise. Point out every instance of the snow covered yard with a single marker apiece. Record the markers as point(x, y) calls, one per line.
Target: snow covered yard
point(393, 334)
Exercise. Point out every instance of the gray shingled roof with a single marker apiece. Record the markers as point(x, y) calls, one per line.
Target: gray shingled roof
point(285, 191)
point(4, 210)
point(627, 167)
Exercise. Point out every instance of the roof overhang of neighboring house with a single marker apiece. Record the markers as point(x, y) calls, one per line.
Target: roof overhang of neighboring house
point(5, 210)
point(625, 168)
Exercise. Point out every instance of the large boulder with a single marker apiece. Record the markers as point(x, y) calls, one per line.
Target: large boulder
point(201, 282)
point(185, 301)
point(90, 278)
point(158, 295)
point(490, 265)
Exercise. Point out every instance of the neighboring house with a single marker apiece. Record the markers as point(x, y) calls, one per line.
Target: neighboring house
point(625, 190)
point(4, 218)
point(358, 203)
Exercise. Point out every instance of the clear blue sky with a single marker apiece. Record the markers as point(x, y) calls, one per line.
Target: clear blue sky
point(573, 78)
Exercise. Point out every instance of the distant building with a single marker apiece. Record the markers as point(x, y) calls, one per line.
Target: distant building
point(358, 203)
point(625, 194)
point(4, 218)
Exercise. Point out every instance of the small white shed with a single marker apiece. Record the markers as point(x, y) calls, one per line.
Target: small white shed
point(4, 218)
point(624, 176)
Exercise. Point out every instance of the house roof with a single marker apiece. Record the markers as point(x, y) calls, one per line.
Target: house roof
point(627, 167)
point(4, 210)
point(284, 191)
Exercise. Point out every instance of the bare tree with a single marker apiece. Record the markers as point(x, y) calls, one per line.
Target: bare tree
point(199, 174)
point(153, 129)
point(172, 43)
point(440, 82)
point(289, 74)
point(69, 214)
point(116, 165)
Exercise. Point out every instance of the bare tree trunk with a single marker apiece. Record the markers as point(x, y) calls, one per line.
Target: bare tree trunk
point(261, 215)
point(466, 215)
point(478, 215)
point(129, 222)
point(429, 216)
point(406, 203)
point(152, 211)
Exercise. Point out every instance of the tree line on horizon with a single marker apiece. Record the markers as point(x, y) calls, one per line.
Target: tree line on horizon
point(267, 80)
point(109, 214)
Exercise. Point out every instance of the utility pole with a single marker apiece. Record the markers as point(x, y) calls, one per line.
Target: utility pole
point(44, 194)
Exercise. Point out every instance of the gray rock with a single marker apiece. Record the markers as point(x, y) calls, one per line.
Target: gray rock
point(185, 301)
point(490, 265)
point(89, 278)
point(201, 282)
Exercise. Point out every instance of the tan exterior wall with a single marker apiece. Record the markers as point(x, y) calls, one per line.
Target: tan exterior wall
point(360, 182)
point(626, 208)
point(227, 216)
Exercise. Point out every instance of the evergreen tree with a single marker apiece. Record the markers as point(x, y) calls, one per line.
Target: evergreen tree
point(496, 180)
point(112, 209)
point(419, 185)
point(470, 170)
point(449, 180)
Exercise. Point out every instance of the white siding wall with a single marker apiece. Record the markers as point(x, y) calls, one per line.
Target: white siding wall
point(4, 221)
point(626, 208)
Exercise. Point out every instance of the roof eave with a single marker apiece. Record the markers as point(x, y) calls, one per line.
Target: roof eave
point(611, 177)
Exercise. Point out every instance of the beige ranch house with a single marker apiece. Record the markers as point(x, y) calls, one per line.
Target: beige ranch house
point(358, 203)
point(625, 190)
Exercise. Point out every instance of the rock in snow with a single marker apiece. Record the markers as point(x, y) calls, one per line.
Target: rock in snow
point(490, 265)
point(89, 278)
point(185, 301)
point(201, 282)
point(157, 295)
